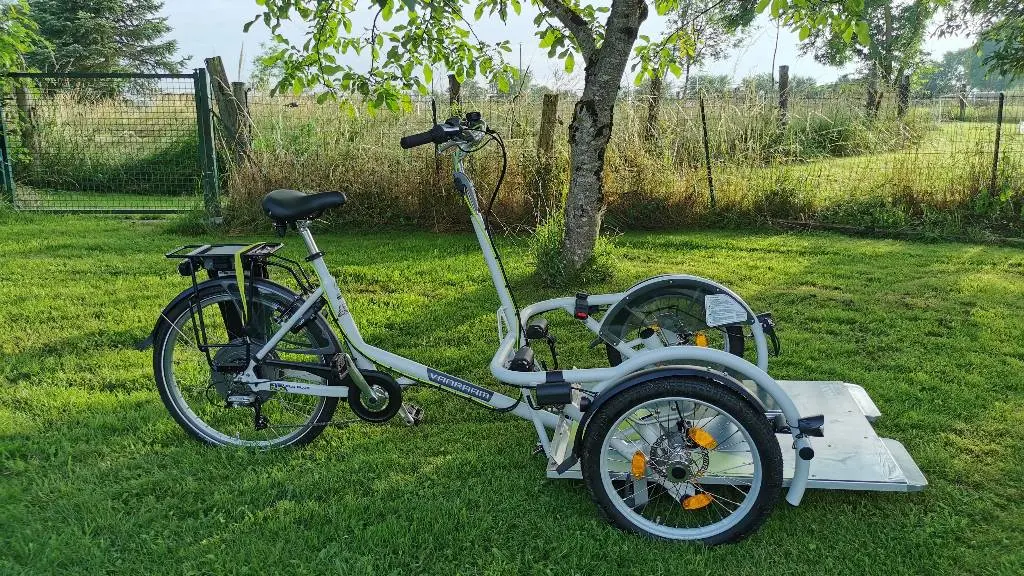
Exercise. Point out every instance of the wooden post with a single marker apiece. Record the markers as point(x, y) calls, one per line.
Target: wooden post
point(871, 105)
point(962, 92)
point(707, 151)
point(903, 96)
point(26, 120)
point(999, 134)
point(454, 92)
point(783, 95)
point(207, 153)
point(653, 110)
point(544, 202)
point(232, 113)
point(243, 134)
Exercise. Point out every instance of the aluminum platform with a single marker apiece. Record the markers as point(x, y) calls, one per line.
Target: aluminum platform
point(851, 456)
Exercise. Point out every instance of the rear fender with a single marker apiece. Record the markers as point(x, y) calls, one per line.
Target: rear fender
point(223, 283)
point(657, 373)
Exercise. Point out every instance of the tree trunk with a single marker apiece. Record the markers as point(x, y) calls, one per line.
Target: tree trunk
point(591, 129)
point(653, 108)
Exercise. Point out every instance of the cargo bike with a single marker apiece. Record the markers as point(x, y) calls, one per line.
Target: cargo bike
point(681, 437)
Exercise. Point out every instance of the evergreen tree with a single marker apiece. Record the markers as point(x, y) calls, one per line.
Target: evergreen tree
point(104, 36)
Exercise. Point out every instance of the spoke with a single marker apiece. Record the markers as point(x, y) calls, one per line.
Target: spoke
point(751, 463)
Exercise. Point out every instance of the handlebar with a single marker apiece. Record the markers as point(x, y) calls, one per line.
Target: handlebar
point(436, 135)
point(454, 128)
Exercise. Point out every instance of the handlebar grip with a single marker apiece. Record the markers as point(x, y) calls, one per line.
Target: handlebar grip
point(435, 135)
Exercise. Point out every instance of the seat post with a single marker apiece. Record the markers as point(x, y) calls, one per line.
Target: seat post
point(302, 226)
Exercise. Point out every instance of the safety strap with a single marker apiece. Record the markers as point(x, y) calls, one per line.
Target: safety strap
point(240, 278)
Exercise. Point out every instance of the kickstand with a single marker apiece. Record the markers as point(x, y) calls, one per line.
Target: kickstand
point(411, 414)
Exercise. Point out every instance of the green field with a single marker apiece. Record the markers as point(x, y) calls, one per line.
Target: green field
point(95, 477)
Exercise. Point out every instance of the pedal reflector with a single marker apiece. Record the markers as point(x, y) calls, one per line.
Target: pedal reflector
point(701, 438)
point(638, 465)
point(697, 501)
point(701, 339)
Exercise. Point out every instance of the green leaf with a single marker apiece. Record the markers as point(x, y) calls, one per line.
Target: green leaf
point(428, 73)
point(503, 85)
point(388, 10)
point(516, 6)
point(570, 62)
point(848, 34)
point(863, 34)
point(479, 12)
point(805, 32)
point(640, 77)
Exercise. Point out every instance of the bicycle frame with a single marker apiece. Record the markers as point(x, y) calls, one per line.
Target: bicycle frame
point(588, 380)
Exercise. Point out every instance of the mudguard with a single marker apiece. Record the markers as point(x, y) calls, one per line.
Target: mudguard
point(650, 374)
point(728, 304)
point(225, 283)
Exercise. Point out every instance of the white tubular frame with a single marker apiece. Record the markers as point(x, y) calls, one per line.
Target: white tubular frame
point(596, 380)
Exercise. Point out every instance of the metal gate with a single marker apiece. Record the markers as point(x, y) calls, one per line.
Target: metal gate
point(108, 143)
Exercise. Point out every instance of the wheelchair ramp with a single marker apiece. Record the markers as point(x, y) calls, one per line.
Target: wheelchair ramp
point(851, 456)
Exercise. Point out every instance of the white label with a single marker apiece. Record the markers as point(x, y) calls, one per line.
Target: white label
point(721, 309)
point(1020, 128)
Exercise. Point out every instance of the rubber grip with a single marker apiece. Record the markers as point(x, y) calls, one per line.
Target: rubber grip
point(433, 136)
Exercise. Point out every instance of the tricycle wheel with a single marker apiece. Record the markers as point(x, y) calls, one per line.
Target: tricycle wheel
point(682, 459)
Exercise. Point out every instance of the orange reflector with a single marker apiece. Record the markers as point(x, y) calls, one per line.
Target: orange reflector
point(702, 438)
point(701, 339)
point(697, 501)
point(638, 465)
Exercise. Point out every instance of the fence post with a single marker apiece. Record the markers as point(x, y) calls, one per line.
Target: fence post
point(243, 132)
point(707, 151)
point(783, 95)
point(207, 153)
point(545, 203)
point(6, 170)
point(962, 94)
point(26, 120)
point(999, 134)
point(903, 96)
point(454, 91)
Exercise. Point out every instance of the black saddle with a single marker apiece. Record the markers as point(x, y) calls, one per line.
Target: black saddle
point(292, 205)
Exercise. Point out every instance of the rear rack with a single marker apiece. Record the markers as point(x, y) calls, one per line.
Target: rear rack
point(221, 257)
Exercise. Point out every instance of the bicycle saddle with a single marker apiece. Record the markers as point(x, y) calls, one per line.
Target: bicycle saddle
point(291, 205)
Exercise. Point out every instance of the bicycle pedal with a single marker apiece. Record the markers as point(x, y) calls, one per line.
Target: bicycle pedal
point(411, 414)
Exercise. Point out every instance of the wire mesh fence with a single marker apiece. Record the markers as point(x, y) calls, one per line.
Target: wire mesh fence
point(101, 142)
point(830, 158)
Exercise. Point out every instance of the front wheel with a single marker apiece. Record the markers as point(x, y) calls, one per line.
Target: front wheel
point(682, 459)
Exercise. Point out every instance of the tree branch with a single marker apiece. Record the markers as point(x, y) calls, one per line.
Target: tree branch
point(575, 24)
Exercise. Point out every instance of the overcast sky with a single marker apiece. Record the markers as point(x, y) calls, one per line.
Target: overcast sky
point(214, 27)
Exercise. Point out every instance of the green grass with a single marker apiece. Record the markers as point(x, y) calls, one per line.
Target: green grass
point(96, 478)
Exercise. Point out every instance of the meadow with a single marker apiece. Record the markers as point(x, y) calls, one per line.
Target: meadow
point(96, 478)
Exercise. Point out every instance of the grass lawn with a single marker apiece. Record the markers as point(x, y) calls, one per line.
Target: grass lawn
point(96, 478)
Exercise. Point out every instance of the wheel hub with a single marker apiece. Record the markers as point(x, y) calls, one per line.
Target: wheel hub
point(677, 458)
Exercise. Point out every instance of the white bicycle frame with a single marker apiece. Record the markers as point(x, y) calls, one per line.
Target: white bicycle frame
point(596, 380)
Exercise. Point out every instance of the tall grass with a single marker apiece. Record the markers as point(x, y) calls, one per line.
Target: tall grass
point(829, 162)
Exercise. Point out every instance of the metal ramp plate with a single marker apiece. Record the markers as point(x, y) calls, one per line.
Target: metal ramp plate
point(851, 456)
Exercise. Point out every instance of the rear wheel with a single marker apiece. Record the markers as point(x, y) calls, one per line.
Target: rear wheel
point(677, 317)
point(682, 459)
point(197, 394)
